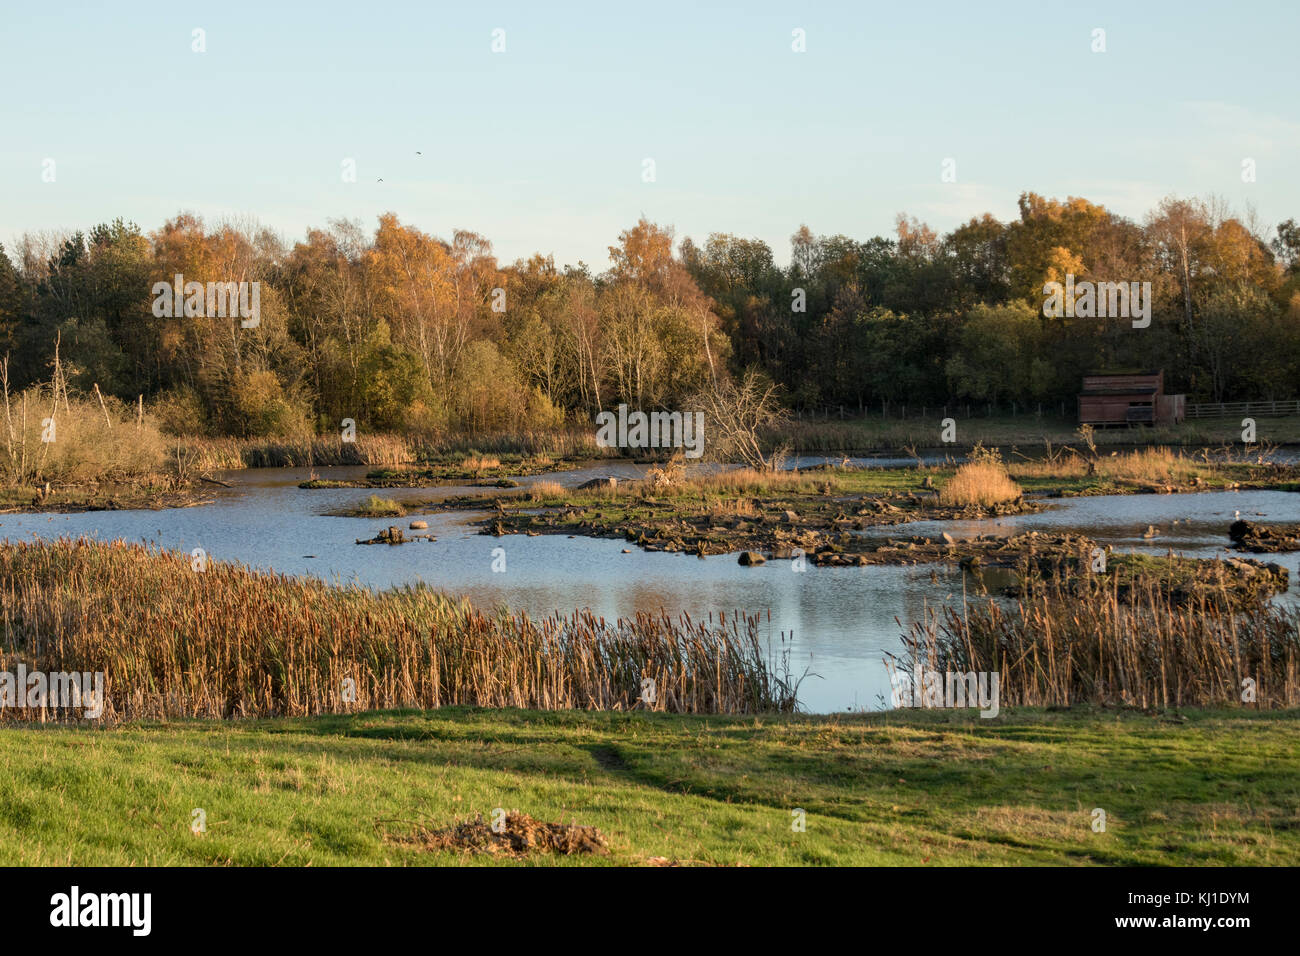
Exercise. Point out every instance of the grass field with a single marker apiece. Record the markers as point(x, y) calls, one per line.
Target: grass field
point(929, 788)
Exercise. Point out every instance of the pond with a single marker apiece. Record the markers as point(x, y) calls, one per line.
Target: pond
point(836, 623)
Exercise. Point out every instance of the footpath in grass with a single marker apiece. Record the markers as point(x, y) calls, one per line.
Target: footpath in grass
point(932, 788)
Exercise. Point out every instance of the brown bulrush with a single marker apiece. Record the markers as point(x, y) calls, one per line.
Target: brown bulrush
point(230, 642)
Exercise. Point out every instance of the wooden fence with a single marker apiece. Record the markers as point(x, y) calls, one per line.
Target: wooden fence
point(1242, 409)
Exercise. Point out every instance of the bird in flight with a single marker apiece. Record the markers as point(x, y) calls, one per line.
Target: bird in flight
point(379, 180)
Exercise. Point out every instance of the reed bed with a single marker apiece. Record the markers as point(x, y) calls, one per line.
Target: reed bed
point(724, 483)
point(229, 642)
point(556, 443)
point(1150, 465)
point(1101, 644)
point(229, 454)
point(383, 450)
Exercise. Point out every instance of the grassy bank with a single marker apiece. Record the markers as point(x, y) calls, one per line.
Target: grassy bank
point(932, 788)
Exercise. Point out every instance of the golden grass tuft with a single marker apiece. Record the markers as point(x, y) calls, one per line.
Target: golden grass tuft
point(983, 483)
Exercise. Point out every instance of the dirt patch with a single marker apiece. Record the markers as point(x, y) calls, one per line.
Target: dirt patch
point(518, 835)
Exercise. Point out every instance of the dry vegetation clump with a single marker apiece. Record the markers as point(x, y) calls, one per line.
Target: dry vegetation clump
point(480, 463)
point(1153, 465)
point(73, 439)
point(517, 835)
point(734, 507)
point(377, 507)
point(751, 481)
point(546, 490)
point(984, 483)
point(670, 474)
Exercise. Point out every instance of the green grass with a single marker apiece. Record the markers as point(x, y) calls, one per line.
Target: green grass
point(936, 788)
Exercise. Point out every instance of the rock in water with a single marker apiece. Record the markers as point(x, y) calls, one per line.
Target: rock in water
point(751, 558)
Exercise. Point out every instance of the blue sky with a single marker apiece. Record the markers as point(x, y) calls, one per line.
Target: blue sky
point(540, 148)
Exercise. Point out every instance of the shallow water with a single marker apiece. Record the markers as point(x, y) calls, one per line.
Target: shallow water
point(837, 623)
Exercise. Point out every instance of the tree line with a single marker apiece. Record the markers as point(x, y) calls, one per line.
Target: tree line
point(398, 329)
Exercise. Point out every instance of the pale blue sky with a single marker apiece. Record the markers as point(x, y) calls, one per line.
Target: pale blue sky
point(540, 148)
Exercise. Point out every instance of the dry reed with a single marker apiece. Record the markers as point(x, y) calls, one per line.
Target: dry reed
point(1090, 645)
point(543, 490)
point(230, 642)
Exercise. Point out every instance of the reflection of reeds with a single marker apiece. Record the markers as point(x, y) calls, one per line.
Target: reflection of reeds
point(230, 642)
point(1090, 645)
